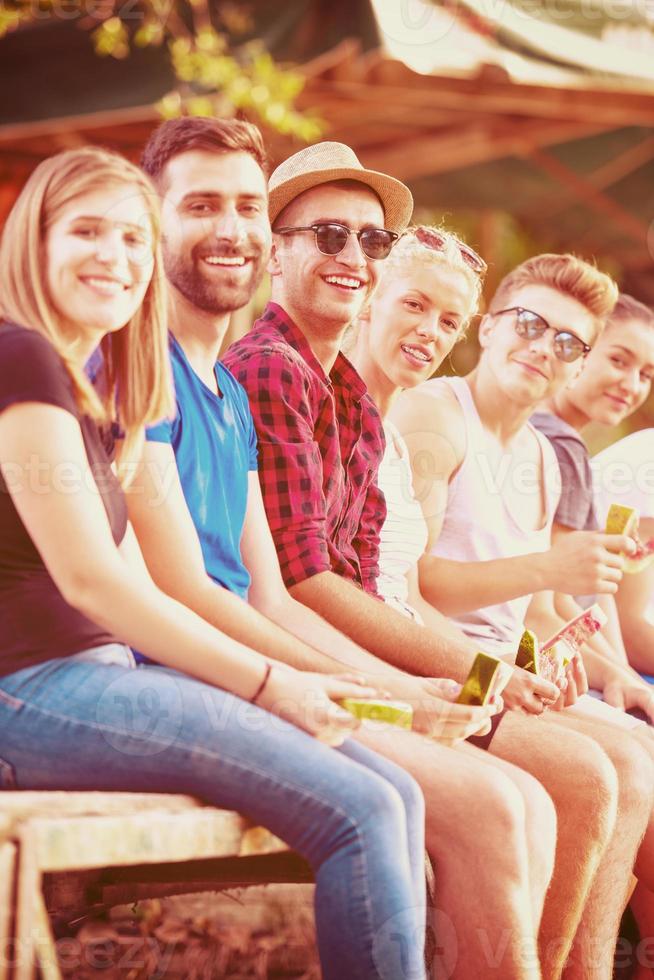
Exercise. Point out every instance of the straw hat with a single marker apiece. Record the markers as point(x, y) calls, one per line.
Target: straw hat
point(324, 162)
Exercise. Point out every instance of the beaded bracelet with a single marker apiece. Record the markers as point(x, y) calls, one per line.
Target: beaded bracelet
point(259, 691)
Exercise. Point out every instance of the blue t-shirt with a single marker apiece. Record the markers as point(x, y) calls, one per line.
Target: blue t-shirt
point(215, 446)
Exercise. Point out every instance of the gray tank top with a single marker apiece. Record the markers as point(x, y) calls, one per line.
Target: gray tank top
point(479, 526)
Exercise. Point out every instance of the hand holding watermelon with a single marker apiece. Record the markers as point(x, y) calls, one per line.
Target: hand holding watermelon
point(624, 520)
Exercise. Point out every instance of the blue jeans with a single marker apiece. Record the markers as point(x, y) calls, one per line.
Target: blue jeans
point(93, 722)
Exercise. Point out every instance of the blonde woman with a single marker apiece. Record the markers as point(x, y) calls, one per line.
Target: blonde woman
point(429, 292)
point(79, 267)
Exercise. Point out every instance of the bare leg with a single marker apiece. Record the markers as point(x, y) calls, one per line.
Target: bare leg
point(592, 954)
point(642, 900)
point(477, 840)
point(642, 905)
point(540, 826)
point(644, 869)
point(582, 782)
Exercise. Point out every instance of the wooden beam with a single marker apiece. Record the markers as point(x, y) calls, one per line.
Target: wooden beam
point(623, 165)
point(609, 173)
point(13, 132)
point(603, 106)
point(465, 146)
point(599, 202)
point(638, 261)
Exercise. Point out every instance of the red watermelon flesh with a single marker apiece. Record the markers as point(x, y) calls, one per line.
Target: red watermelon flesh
point(553, 659)
point(580, 629)
point(641, 558)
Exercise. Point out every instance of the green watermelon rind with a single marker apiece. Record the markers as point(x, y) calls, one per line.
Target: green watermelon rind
point(484, 680)
point(398, 713)
point(621, 520)
point(528, 651)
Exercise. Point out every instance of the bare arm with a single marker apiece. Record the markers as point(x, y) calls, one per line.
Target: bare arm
point(72, 534)
point(170, 545)
point(608, 643)
point(331, 649)
point(586, 562)
point(175, 559)
point(633, 598)
point(387, 633)
point(620, 687)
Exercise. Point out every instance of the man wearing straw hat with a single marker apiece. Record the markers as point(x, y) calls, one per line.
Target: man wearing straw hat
point(320, 443)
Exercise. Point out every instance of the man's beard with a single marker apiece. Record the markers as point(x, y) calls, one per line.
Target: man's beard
point(187, 275)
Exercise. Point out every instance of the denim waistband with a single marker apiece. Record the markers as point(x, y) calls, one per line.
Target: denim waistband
point(108, 653)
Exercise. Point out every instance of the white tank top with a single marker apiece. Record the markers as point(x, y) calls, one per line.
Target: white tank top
point(478, 524)
point(403, 537)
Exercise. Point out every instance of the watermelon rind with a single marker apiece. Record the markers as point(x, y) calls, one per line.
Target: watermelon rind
point(398, 713)
point(488, 676)
point(621, 519)
point(527, 655)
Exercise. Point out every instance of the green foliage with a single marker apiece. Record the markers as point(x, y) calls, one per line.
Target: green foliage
point(216, 73)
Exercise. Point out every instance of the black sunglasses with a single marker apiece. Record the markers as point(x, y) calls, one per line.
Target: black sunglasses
point(529, 325)
point(331, 238)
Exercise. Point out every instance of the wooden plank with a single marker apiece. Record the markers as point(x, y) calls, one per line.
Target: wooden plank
point(16, 805)
point(28, 889)
point(46, 951)
point(71, 894)
point(71, 843)
point(281, 866)
point(7, 883)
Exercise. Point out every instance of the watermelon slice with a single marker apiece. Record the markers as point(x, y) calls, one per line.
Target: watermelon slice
point(624, 520)
point(487, 678)
point(578, 630)
point(548, 662)
point(398, 713)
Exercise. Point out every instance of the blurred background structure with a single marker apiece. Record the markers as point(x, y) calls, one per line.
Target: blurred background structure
point(527, 125)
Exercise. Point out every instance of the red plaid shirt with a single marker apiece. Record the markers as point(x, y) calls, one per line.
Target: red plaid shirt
point(320, 444)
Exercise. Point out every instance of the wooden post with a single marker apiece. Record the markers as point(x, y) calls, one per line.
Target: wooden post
point(7, 883)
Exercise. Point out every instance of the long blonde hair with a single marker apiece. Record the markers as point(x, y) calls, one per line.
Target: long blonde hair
point(136, 387)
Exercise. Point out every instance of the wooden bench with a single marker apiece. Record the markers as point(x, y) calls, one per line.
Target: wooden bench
point(78, 851)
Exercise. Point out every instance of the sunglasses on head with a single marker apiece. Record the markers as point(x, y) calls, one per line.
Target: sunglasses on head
point(529, 325)
point(332, 236)
point(432, 239)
